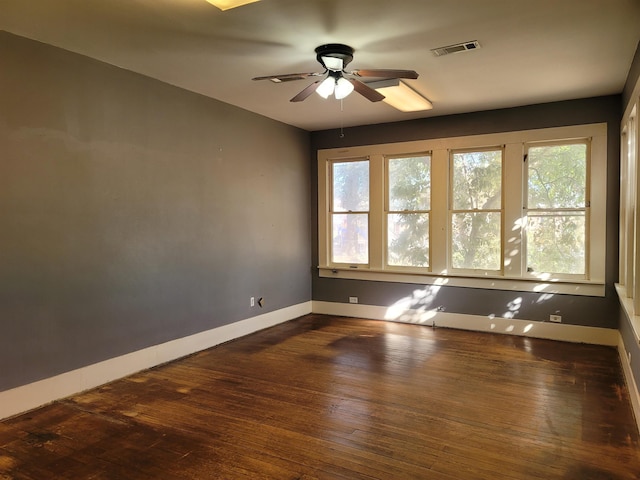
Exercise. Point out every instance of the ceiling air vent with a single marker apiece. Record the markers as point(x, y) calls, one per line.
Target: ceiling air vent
point(458, 47)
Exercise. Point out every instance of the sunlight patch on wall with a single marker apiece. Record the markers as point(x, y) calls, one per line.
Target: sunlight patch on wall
point(417, 308)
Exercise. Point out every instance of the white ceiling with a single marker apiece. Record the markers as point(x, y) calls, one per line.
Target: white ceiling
point(533, 51)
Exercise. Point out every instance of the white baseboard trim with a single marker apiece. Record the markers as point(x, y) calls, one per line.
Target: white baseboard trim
point(27, 397)
point(536, 329)
point(632, 387)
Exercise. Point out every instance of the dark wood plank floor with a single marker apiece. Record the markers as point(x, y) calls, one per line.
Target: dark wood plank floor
point(333, 398)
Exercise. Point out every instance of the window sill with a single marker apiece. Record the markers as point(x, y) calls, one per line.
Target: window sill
point(491, 283)
point(627, 305)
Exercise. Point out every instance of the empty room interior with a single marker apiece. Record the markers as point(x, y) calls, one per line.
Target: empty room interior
point(320, 239)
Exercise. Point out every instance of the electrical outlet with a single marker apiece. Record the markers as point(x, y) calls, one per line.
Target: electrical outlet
point(555, 318)
point(353, 299)
point(252, 302)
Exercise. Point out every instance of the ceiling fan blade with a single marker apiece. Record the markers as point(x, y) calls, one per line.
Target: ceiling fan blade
point(365, 90)
point(385, 73)
point(288, 77)
point(306, 92)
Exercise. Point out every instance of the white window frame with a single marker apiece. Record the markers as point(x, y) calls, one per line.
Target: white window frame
point(387, 212)
point(628, 286)
point(452, 211)
point(513, 276)
point(586, 208)
point(332, 212)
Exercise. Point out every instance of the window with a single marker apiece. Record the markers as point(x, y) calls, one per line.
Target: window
point(350, 212)
point(476, 210)
point(408, 205)
point(508, 211)
point(629, 286)
point(557, 200)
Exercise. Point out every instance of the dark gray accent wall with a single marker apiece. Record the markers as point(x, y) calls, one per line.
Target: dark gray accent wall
point(579, 310)
point(632, 79)
point(133, 212)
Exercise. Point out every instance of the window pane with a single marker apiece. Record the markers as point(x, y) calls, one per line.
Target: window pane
point(477, 180)
point(409, 183)
point(476, 241)
point(351, 186)
point(557, 176)
point(556, 243)
point(408, 239)
point(350, 238)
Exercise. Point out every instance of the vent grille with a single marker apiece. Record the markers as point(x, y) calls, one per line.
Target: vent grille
point(457, 48)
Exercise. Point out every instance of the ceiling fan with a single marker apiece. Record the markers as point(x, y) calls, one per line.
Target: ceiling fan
point(334, 57)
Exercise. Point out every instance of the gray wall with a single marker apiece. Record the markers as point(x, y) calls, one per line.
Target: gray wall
point(133, 212)
point(580, 310)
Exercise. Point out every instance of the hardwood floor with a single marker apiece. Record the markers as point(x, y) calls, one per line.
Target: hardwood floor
point(334, 398)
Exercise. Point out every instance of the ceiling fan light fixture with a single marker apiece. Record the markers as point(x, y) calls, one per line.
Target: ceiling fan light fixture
point(327, 87)
point(333, 63)
point(401, 96)
point(229, 4)
point(343, 88)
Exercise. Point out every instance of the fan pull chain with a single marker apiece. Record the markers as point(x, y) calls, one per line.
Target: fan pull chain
point(341, 118)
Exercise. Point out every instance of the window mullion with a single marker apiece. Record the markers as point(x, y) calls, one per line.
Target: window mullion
point(439, 210)
point(377, 236)
point(514, 213)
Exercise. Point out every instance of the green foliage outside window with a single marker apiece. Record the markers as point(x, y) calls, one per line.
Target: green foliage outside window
point(476, 223)
point(557, 200)
point(409, 203)
point(350, 206)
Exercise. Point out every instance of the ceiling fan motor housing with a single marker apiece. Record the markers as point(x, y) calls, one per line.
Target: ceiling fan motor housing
point(334, 50)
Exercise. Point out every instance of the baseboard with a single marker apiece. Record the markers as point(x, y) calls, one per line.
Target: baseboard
point(536, 329)
point(632, 387)
point(27, 397)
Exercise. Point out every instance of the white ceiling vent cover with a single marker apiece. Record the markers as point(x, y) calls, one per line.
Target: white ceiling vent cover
point(458, 47)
